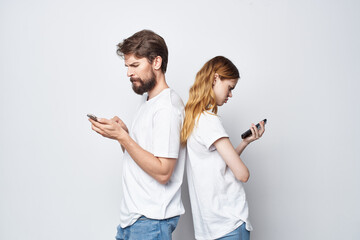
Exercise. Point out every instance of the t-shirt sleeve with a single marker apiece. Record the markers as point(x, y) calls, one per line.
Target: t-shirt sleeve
point(167, 124)
point(210, 129)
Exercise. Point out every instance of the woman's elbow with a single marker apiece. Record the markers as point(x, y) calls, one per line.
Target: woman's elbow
point(243, 177)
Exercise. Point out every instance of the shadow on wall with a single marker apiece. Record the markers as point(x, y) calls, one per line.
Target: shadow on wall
point(185, 227)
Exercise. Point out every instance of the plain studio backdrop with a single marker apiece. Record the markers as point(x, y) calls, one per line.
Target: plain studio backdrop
point(299, 66)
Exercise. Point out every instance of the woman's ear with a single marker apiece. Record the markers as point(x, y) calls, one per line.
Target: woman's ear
point(157, 62)
point(216, 76)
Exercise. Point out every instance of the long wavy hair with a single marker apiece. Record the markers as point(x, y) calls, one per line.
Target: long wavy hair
point(201, 94)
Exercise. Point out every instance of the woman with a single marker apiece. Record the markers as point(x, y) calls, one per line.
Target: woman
point(215, 170)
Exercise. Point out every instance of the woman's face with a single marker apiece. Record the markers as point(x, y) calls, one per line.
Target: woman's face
point(222, 89)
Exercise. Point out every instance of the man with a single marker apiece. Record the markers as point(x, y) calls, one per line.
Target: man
point(153, 162)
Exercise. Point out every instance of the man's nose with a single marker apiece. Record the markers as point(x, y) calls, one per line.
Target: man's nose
point(129, 73)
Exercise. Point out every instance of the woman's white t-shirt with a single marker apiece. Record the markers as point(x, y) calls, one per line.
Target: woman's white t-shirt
point(218, 199)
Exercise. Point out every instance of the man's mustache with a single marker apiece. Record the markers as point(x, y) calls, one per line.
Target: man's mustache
point(132, 79)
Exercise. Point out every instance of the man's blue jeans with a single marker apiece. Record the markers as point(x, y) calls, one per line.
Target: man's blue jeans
point(149, 229)
point(238, 234)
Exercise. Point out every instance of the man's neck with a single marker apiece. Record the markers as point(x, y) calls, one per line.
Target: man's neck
point(159, 87)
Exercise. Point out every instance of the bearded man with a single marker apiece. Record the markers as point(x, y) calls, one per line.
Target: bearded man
point(153, 161)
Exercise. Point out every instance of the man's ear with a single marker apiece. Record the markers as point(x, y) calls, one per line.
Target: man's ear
point(157, 62)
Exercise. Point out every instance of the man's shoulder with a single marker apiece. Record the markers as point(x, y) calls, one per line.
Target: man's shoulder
point(170, 99)
point(176, 99)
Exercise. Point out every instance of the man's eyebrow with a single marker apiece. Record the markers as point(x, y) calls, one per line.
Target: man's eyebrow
point(131, 64)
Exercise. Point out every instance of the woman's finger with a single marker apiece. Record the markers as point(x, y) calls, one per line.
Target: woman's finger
point(256, 131)
point(252, 131)
point(262, 128)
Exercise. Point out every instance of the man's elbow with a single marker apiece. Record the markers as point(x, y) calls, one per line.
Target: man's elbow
point(165, 172)
point(163, 179)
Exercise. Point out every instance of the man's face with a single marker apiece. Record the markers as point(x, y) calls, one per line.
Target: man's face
point(141, 73)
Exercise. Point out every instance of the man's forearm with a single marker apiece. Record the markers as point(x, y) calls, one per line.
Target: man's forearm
point(159, 168)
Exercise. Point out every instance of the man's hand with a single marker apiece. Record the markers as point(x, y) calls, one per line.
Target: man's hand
point(159, 168)
point(119, 121)
point(113, 128)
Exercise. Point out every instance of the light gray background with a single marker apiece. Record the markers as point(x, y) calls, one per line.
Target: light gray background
point(299, 63)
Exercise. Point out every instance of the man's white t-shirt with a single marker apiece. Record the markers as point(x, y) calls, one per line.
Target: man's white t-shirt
point(218, 199)
point(156, 128)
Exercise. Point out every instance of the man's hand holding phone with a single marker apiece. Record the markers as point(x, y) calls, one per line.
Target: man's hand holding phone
point(111, 128)
point(92, 116)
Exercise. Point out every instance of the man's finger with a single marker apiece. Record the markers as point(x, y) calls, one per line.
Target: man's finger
point(95, 123)
point(116, 119)
point(96, 129)
point(104, 120)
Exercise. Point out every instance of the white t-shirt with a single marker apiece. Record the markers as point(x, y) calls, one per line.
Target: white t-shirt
point(218, 199)
point(156, 128)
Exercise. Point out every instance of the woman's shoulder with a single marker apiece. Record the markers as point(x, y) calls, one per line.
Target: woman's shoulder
point(207, 119)
point(209, 116)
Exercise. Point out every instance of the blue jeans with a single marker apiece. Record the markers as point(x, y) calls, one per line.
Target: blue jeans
point(238, 234)
point(149, 229)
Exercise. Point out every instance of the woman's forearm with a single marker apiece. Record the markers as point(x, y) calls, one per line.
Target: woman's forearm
point(239, 149)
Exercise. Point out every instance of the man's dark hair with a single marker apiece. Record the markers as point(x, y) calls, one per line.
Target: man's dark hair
point(146, 44)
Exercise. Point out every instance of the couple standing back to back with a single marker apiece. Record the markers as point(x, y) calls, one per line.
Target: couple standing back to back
point(155, 149)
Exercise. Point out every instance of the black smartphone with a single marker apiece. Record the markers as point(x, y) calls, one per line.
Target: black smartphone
point(92, 116)
point(248, 132)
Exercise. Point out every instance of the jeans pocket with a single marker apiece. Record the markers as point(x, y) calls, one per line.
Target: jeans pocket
point(120, 233)
point(142, 218)
point(172, 223)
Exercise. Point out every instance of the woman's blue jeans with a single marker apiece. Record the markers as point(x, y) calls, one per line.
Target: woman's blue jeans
point(149, 229)
point(238, 234)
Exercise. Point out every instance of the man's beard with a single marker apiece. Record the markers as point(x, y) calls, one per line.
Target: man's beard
point(145, 85)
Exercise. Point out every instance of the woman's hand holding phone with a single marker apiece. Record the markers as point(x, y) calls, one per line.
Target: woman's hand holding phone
point(254, 133)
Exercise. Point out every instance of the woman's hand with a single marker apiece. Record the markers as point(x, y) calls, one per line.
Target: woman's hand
point(256, 133)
